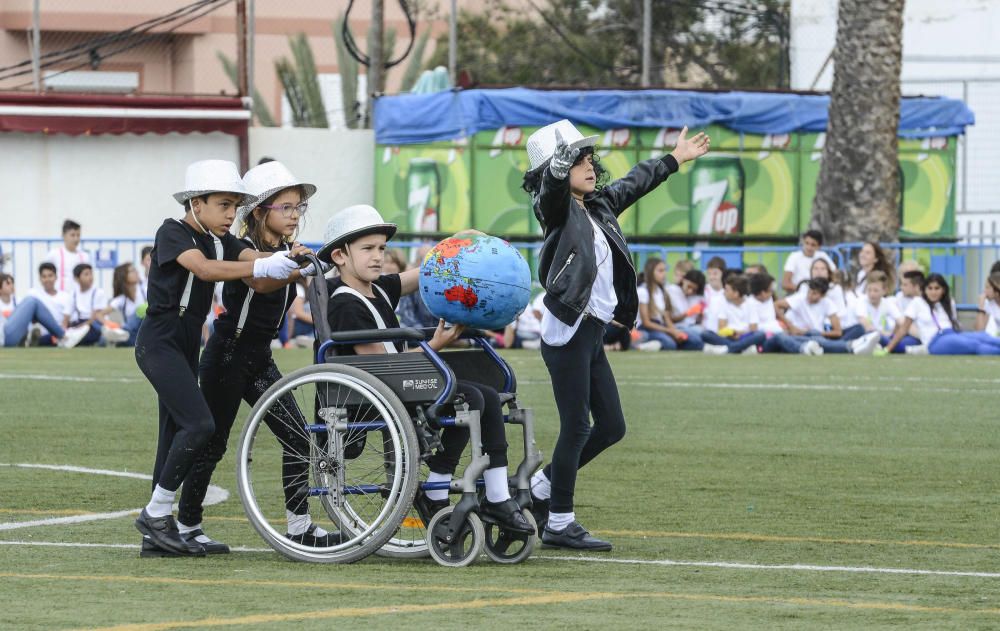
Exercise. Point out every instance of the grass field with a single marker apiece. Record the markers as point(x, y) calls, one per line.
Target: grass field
point(750, 492)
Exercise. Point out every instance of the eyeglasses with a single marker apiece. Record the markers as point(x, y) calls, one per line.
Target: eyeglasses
point(287, 209)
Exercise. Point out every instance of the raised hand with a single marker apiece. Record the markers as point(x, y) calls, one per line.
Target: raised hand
point(690, 148)
point(444, 336)
point(562, 159)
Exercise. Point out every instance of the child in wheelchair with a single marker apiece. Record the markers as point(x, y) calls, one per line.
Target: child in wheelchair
point(362, 298)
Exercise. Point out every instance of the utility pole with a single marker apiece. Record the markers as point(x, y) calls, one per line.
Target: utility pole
point(647, 37)
point(377, 65)
point(453, 43)
point(242, 76)
point(36, 47)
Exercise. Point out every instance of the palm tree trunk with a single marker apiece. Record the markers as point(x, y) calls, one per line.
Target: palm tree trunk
point(857, 195)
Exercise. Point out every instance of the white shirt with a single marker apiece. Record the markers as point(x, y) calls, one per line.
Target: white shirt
point(713, 307)
point(603, 299)
point(124, 304)
point(767, 319)
point(527, 323)
point(65, 261)
point(929, 323)
point(738, 317)
point(679, 303)
point(800, 265)
point(884, 317)
point(992, 310)
point(57, 304)
point(658, 300)
point(808, 316)
point(902, 300)
point(7, 308)
point(84, 303)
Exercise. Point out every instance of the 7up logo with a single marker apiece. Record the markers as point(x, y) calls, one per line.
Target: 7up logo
point(717, 195)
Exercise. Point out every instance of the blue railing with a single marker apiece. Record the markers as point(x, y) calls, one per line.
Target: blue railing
point(965, 266)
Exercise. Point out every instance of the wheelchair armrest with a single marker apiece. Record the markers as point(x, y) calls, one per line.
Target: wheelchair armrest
point(377, 335)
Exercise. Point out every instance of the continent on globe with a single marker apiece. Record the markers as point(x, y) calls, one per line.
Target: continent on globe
point(476, 280)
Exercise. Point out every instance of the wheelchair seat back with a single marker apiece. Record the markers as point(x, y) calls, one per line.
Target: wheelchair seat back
point(411, 376)
point(474, 364)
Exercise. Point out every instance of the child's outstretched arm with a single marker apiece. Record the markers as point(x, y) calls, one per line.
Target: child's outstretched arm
point(551, 204)
point(649, 174)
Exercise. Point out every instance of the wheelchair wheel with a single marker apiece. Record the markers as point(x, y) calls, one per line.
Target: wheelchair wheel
point(285, 457)
point(509, 547)
point(465, 547)
point(410, 541)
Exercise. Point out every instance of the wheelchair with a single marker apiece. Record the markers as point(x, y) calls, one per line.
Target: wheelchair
point(357, 460)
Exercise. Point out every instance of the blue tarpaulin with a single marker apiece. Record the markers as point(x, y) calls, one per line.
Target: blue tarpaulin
point(419, 118)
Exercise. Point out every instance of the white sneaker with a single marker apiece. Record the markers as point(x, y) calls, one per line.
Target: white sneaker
point(916, 350)
point(74, 335)
point(649, 345)
point(532, 344)
point(811, 347)
point(715, 349)
point(114, 336)
point(276, 344)
point(866, 344)
point(750, 350)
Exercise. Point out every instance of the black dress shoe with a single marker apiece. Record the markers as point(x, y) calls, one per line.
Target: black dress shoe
point(162, 532)
point(211, 545)
point(426, 507)
point(309, 538)
point(573, 537)
point(506, 514)
point(540, 511)
point(148, 550)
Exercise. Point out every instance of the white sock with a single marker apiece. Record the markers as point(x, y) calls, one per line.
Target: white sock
point(299, 524)
point(559, 521)
point(497, 489)
point(540, 485)
point(438, 494)
point(184, 528)
point(162, 502)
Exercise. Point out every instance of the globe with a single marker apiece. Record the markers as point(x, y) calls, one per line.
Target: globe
point(476, 280)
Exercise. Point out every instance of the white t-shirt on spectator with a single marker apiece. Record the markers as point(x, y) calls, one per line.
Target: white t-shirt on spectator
point(929, 323)
point(808, 316)
point(124, 304)
point(884, 317)
point(902, 301)
point(65, 261)
point(800, 265)
point(767, 319)
point(992, 310)
point(59, 304)
point(527, 324)
point(7, 308)
point(85, 303)
point(713, 309)
point(738, 317)
point(658, 300)
point(679, 303)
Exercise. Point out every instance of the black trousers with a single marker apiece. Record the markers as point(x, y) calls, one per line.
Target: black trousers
point(584, 386)
point(233, 370)
point(454, 439)
point(166, 350)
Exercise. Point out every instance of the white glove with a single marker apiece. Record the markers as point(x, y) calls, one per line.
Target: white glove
point(562, 159)
point(277, 266)
point(310, 270)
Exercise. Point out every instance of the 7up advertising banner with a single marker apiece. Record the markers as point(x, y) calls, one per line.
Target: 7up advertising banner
point(750, 186)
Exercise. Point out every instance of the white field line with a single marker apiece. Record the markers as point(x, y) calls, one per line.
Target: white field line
point(723, 565)
point(215, 495)
point(787, 386)
point(37, 377)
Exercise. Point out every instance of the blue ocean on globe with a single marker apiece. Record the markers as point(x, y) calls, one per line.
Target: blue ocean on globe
point(476, 280)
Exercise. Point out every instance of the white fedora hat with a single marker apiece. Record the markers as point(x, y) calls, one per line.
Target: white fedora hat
point(211, 176)
point(264, 180)
point(542, 143)
point(351, 223)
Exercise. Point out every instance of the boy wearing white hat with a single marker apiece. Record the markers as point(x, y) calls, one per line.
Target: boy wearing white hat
point(586, 269)
point(237, 363)
point(362, 298)
point(188, 257)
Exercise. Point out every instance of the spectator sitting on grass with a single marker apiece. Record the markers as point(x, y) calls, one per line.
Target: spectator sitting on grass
point(798, 266)
point(411, 310)
point(843, 300)
point(8, 301)
point(681, 268)
point(145, 259)
point(872, 258)
point(804, 315)
point(56, 302)
point(713, 274)
point(126, 300)
point(762, 300)
point(66, 257)
point(737, 321)
point(526, 330)
point(878, 313)
point(988, 318)
point(655, 317)
point(903, 298)
point(89, 306)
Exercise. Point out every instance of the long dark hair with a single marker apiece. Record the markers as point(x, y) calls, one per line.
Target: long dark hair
point(119, 281)
point(945, 297)
point(651, 285)
point(882, 263)
point(532, 181)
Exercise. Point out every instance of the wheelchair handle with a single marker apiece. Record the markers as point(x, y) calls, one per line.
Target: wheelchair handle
point(302, 259)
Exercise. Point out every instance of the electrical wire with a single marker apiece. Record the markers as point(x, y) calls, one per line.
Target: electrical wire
point(91, 47)
point(355, 51)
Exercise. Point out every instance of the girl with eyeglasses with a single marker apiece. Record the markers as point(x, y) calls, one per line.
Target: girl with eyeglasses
point(237, 363)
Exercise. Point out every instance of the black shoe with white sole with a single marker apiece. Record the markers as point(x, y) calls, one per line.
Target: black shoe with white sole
point(211, 546)
point(573, 537)
point(162, 532)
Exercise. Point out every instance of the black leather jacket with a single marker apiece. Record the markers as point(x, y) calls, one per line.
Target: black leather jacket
point(567, 267)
